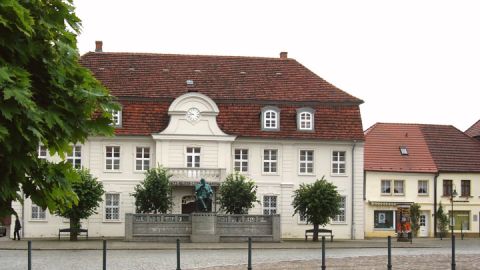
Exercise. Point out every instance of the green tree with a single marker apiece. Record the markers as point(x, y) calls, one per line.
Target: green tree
point(154, 194)
point(442, 221)
point(317, 202)
point(237, 194)
point(46, 97)
point(415, 218)
point(89, 192)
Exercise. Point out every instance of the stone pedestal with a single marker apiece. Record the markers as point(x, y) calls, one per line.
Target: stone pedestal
point(204, 228)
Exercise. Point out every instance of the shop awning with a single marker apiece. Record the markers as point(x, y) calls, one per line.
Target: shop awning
point(380, 203)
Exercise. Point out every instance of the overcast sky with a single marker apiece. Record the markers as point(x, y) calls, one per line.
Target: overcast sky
point(410, 61)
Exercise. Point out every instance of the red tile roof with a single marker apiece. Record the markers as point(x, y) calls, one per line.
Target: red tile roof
point(431, 148)
point(146, 84)
point(474, 130)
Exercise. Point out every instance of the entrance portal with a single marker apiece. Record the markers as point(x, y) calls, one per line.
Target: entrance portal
point(188, 204)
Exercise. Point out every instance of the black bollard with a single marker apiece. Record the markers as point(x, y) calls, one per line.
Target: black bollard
point(104, 254)
point(249, 253)
point(323, 253)
point(29, 255)
point(453, 252)
point(389, 256)
point(178, 254)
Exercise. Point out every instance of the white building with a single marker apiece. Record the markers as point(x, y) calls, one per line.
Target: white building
point(272, 119)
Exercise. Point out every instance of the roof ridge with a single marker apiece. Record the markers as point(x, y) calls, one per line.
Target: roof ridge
point(414, 124)
point(190, 55)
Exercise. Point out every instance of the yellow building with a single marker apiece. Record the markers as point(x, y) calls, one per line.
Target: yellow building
point(424, 164)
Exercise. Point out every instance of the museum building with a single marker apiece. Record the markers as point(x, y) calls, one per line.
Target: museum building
point(271, 119)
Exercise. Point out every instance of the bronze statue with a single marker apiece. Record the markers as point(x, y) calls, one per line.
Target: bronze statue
point(204, 194)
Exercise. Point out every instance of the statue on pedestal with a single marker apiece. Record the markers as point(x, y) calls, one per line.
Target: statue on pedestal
point(204, 194)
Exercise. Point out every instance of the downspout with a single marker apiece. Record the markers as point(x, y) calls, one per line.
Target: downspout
point(435, 205)
point(352, 233)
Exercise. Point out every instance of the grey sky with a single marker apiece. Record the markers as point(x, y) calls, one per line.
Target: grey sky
point(410, 61)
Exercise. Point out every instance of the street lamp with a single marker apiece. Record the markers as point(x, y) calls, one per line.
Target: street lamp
point(452, 195)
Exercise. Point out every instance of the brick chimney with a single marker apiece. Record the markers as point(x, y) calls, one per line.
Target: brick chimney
point(283, 55)
point(98, 46)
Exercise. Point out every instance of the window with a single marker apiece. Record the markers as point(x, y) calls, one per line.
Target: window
point(75, 156)
point(42, 152)
point(447, 188)
point(398, 187)
point(269, 205)
point(403, 151)
point(193, 157)
point(241, 160)
point(112, 158)
point(270, 118)
point(112, 206)
point(383, 220)
point(142, 159)
point(466, 188)
point(461, 220)
point(386, 187)
point(305, 119)
point(117, 118)
point(338, 162)
point(270, 161)
point(302, 219)
point(422, 187)
point(340, 218)
point(38, 213)
point(306, 162)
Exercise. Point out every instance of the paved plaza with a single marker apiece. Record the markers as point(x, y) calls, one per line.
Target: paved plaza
point(341, 254)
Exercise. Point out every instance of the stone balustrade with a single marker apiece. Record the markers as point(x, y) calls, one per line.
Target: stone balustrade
point(190, 176)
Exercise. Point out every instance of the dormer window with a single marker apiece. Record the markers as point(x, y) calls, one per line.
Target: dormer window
point(117, 118)
point(270, 118)
point(305, 119)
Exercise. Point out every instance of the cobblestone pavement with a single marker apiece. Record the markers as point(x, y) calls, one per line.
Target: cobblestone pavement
point(366, 258)
point(437, 262)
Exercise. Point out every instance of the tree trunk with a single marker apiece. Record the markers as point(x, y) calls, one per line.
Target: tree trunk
point(315, 232)
point(74, 226)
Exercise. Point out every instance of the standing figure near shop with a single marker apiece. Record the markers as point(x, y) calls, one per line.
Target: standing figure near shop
point(16, 231)
point(204, 194)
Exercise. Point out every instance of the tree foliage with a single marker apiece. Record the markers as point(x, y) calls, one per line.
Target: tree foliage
point(442, 221)
point(415, 217)
point(154, 194)
point(89, 192)
point(317, 202)
point(237, 194)
point(46, 97)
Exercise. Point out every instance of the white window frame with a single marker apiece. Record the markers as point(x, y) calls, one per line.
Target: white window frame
point(72, 157)
point(117, 118)
point(269, 208)
point(389, 186)
point(111, 206)
point(336, 164)
point(42, 152)
point(302, 220)
point(306, 162)
point(113, 158)
point(194, 154)
point(427, 187)
point(142, 158)
point(343, 208)
point(270, 161)
point(394, 187)
point(40, 212)
point(270, 119)
point(306, 121)
point(243, 159)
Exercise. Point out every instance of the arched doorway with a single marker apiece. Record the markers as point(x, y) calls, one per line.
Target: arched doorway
point(188, 204)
